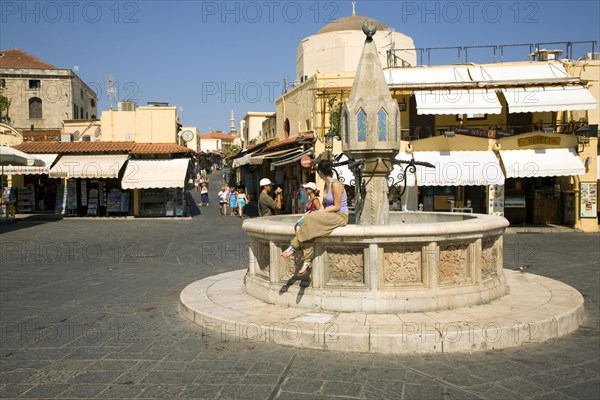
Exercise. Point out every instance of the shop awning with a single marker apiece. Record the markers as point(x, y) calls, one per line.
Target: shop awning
point(275, 155)
point(538, 99)
point(459, 168)
point(47, 159)
point(448, 102)
point(247, 159)
point(89, 166)
point(537, 72)
point(292, 159)
point(147, 174)
point(541, 162)
point(10, 156)
point(426, 77)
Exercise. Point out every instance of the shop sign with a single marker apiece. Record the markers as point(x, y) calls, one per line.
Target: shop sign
point(553, 141)
point(306, 161)
point(588, 199)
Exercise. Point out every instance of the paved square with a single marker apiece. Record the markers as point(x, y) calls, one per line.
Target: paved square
point(89, 309)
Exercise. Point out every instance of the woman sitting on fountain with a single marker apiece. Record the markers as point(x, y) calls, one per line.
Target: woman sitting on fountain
point(333, 214)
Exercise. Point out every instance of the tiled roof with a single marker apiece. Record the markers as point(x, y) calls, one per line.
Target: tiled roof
point(253, 146)
point(101, 147)
point(17, 58)
point(292, 140)
point(217, 135)
point(159, 148)
point(74, 147)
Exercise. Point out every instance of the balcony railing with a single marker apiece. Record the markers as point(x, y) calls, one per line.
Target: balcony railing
point(497, 50)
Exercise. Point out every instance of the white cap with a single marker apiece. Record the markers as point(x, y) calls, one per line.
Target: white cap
point(310, 185)
point(265, 182)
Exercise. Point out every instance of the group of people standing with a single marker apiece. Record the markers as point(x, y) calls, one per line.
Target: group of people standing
point(236, 199)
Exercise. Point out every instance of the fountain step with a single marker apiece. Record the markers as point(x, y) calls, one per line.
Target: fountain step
point(537, 309)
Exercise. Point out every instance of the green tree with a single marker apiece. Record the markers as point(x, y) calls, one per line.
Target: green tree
point(4, 105)
point(335, 115)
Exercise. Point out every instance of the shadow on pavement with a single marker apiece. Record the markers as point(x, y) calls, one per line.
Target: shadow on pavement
point(28, 222)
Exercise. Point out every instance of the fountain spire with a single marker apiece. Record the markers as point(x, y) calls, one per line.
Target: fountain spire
point(370, 121)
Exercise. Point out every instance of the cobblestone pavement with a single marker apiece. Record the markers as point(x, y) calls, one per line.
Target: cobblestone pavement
point(89, 309)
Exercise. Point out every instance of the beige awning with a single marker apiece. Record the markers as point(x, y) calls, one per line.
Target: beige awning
point(540, 99)
point(449, 102)
point(89, 166)
point(459, 168)
point(147, 174)
point(47, 159)
point(541, 162)
point(10, 156)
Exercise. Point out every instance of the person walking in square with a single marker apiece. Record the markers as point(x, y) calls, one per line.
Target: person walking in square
point(241, 202)
point(233, 200)
point(333, 214)
point(204, 195)
point(223, 197)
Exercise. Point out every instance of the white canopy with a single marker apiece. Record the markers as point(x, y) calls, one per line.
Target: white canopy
point(541, 162)
point(47, 159)
point(537, 99)
point(526, 73)
point(146, 174)
point(476, 101)
point(426, 76)
point(89, 166)
point(10, 156)
point(459, 168)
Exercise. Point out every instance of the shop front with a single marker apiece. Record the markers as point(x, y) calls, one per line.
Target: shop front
point(35, 191)
point(541, 185)
point(158, 186)
point(90, 185)
point(463, 181)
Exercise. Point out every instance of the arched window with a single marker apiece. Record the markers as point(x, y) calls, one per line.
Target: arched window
point(35, 108)
point(81, 112)
point(361, 124)
point(382, 125)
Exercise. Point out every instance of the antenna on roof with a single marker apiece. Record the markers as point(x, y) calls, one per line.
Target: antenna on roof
point(111, 90)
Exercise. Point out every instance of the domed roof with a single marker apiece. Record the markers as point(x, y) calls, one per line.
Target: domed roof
point(351, 23)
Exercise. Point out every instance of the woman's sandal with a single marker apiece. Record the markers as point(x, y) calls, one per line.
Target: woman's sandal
point(288, 252)
point(305, 267)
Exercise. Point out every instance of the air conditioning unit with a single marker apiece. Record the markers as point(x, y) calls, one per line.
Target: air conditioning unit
point(66, 137)
point(126, 106)
point(593, 56)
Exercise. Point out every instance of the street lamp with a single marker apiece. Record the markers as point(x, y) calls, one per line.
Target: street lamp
point(329, 145)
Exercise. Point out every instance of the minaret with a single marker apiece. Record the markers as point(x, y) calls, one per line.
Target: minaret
point(353, 8)
point(232, 129)
point(370, 121)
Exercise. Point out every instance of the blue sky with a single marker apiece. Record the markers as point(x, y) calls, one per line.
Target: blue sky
point(209, 57)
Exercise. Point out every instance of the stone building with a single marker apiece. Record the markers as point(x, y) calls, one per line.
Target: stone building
point(42, 95)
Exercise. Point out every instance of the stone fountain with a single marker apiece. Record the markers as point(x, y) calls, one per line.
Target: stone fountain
point(393, 282)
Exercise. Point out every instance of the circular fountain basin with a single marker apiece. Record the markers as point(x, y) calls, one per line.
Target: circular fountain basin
point(421, 261)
